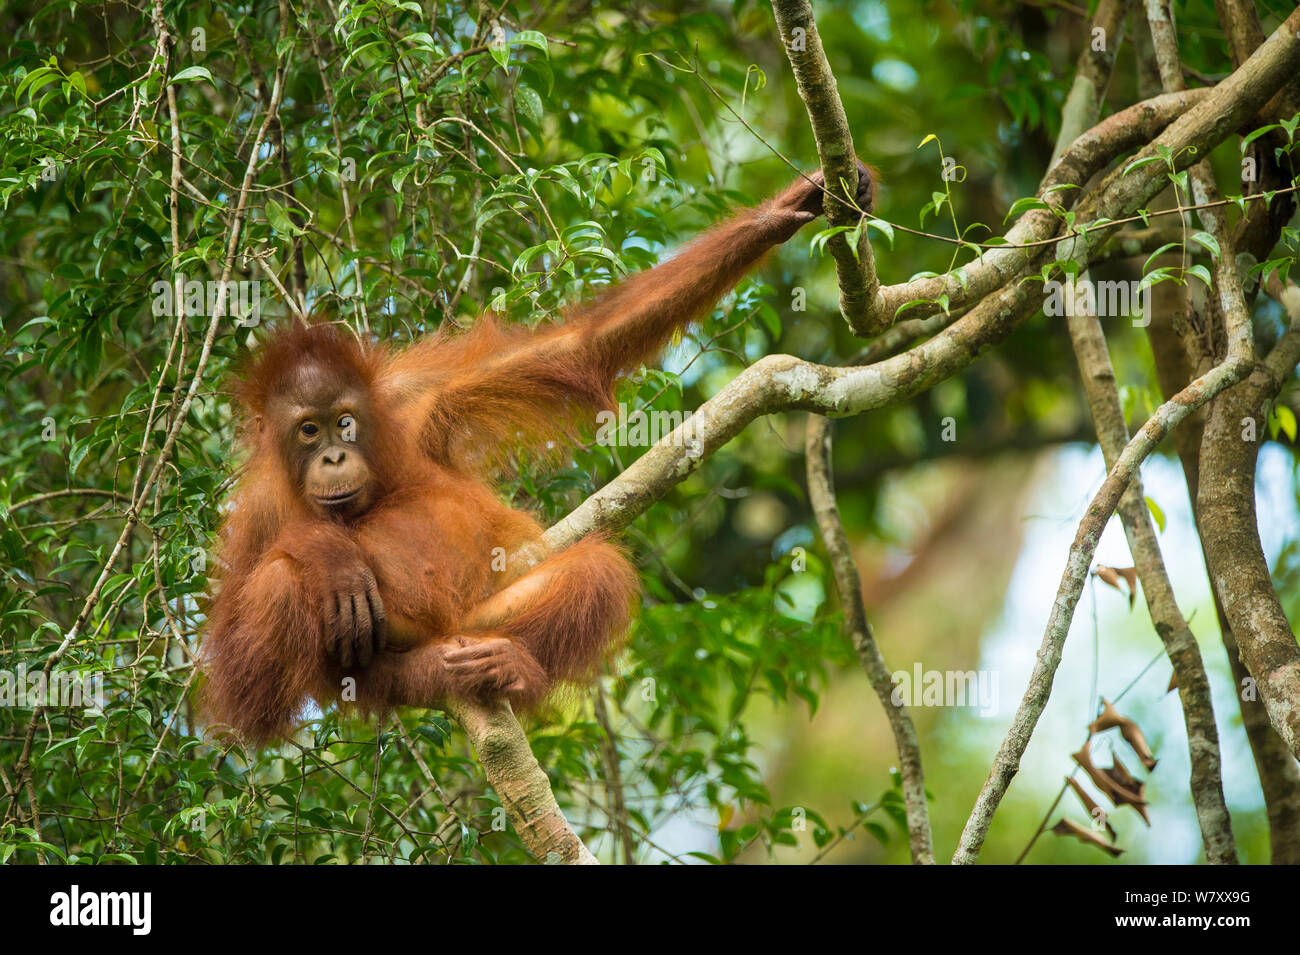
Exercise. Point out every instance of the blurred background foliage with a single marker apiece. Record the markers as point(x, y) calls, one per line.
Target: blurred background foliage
point(516, 159)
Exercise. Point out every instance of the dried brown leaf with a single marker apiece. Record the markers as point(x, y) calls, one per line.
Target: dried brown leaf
point(1067, 827)
point(1113, 575)
point(1128, 728)
point(1116, 783)
point(1094, 810)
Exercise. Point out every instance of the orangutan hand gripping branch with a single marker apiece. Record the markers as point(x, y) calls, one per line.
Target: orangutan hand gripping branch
point(362, 538)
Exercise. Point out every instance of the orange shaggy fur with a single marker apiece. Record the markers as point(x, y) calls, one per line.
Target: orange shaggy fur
point(440, 411)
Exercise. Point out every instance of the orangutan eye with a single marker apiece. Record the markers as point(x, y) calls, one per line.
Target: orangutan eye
point(308, 429)
point(347, 426)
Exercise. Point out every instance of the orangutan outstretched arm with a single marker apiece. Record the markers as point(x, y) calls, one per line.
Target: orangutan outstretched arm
point(498, 381)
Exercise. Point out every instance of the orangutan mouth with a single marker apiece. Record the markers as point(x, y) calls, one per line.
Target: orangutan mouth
point(341, 497)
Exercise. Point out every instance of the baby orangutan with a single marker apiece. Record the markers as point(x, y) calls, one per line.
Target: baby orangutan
point(363, 538)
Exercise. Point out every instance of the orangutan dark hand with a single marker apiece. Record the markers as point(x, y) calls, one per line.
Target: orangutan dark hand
point(491, 666)
point(356, 628)
point(803, 201)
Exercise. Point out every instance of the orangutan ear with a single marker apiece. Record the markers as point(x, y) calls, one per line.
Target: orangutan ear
point(259, 422)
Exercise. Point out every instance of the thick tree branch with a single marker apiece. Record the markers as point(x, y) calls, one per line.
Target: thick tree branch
point(785, 383)
point(513, 771)
point(1086, 155)
point(1118, 133)
point(1228, 523)
point(1179, 350)
point(1278, 772)
point(1228, 535)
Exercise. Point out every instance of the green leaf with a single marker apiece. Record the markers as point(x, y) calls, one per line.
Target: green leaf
point(1285, 418)
point(532, 38)
point(529, 103)
point(193, 73)
point(1254, 135)
point(278, 216)
point(885, 228)
point(1024, 204)
point(1158, 252)
point(1156, 513)
point(34, 81)
point(1139, 163)
point(818, 244)
point(1207, 240)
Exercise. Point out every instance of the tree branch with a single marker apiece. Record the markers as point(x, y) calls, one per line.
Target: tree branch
point(1098, 379)
point(783, 382)
point(848, 583)
point(1166, 617)
point(1007, 762)
point(513, 771)
point(1228, 524)
point(855, 267)
point(1207, 124)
